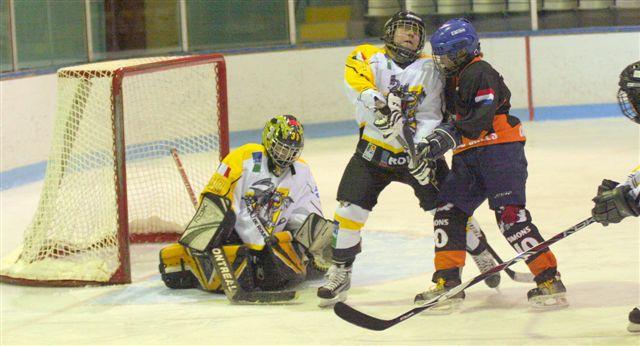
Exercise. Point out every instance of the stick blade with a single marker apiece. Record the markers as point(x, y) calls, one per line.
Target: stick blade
point(272, 298)
point(360, 319)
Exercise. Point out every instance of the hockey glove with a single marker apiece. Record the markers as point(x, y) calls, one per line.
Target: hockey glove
point(372, 99)
point(613, 205)
point(435, 145)
point(389, 118)
point(421, 170)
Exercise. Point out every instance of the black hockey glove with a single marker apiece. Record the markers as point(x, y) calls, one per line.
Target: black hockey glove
point(435, 145)
point(389, 115)
point(606, 185)
point(613, 204)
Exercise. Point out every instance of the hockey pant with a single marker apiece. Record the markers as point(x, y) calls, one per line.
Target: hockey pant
point(273, 268)
point(515, 223)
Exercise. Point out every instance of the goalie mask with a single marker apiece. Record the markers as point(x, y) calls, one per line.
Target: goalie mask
point(283, 138)
point(404, 36)
point(629, 92)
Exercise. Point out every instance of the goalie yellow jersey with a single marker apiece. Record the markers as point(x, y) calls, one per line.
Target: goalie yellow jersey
point(369, 67)
point(279, 202)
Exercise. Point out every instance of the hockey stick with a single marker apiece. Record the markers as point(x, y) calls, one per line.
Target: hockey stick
point(363, 320)
point(515, 276)
point(229, 282)
point(474, 227)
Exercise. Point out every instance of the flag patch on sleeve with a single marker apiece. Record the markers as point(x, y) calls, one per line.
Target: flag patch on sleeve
point(257, 162)
point(223, 170)
point(485, 96)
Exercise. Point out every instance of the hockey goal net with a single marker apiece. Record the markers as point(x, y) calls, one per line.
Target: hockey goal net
point(110, 176)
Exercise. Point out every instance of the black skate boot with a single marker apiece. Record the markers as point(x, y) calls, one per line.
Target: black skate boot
point(634, 320)
point(446, 306)
point(549, 294)
point(338, 282)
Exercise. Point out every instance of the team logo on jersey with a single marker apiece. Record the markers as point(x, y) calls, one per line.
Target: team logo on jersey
point(411, 98)
point(267, 202)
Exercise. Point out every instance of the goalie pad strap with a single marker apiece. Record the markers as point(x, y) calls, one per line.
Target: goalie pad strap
point(211, 225)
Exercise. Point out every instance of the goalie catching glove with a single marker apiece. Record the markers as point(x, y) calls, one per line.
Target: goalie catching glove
point(444, 138)
point(389, 115)
point(316, 235)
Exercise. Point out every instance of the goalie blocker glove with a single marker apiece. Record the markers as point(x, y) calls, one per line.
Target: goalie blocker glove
point(613, 203)
point(444, 138)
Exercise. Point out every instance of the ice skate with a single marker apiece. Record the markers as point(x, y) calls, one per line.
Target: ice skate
point(485, 261)
point(446, 306)
point(338, 282)
point(549, 294)
point(634, 321)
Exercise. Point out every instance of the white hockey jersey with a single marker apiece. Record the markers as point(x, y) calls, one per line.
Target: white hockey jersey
point(281, 203)
point(370, 72)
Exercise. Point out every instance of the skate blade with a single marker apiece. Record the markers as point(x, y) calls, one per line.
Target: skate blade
point(327, 303)
point(447, 307)
point(633, 327)
point(549, 302)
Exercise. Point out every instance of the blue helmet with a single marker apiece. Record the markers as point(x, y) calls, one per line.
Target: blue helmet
point(454, 44)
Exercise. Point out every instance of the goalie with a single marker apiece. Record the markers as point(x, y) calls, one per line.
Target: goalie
point(262, 208)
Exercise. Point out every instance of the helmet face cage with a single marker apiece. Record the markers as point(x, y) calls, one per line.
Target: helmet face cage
point(629, 105)
point(450, 64)
point(409, 22)
point(629, 92)
point(283, 138)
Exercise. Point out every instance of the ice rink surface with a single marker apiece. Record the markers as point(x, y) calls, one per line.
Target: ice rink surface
point(567, 160)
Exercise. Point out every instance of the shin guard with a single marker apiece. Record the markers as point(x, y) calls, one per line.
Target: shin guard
point(450, 239)
point(515, 224)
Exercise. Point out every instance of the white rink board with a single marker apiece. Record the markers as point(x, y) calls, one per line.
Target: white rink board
point(573, 69)
point(567, 160)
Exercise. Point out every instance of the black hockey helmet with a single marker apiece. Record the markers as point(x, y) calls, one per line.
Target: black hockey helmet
point(409, 21)
point(629, 92)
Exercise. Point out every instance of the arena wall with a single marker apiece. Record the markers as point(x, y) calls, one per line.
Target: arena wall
point(572, 76)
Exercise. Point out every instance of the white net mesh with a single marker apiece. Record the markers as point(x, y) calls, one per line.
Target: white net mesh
point(74, 234)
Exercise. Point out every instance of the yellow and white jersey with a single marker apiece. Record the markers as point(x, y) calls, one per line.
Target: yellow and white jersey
point(370, 71)
point(281, 203)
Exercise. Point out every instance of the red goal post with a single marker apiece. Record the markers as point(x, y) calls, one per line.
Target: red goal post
point(110, 176)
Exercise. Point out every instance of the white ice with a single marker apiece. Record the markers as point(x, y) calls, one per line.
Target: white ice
point(567, 160)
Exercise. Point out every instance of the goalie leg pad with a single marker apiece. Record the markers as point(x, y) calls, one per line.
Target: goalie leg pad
point(278, 266)
point(175, 268)
point(211, 225)
point(183, 268)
